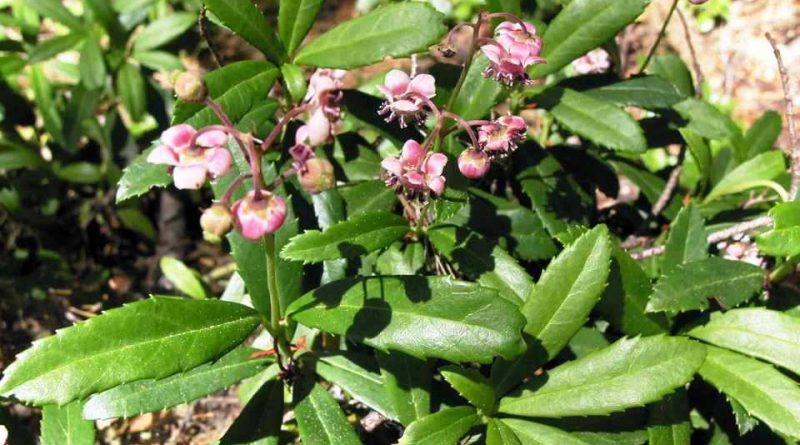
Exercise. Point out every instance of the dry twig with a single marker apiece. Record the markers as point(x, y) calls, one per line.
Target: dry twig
point(794, 152)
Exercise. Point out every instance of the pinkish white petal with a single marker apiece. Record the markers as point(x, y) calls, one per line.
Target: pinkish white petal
point(493, 53)
point(405, 107)
point(219, 162)
point(436, 184)
point(412, 154)
point(189, 176)
point(415, 179)
point(178, 137)
point(162, 154)
point(213, 138)
point(396, 82)
point(319, 128)
point(392, 165)
point(434, 165)
point(423, 84)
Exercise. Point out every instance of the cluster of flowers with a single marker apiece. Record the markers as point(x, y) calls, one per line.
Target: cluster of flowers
point(514, 48)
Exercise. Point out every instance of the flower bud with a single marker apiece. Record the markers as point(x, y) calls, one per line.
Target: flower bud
point(216, 221)
point(256, 216)
point(473, 163)
point(317, 176)
point(190, 87)
point(697, 2)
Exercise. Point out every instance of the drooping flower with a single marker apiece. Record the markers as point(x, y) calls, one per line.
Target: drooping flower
point(216, 221)
point(596, 61)
point(473, 163)
point(512, 51)
point(500, 137)
point(258, 215)
point(192, 166)
point(325, 92)
point(317, 175)
point(416, 171)
point(404, 95)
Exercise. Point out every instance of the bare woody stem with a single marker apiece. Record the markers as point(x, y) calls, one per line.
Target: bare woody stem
point(202, 26)
point(794, 151)
point(698, 72)
point(671, 185)
point(660, 36)
point(273, 135)
point(463, 124)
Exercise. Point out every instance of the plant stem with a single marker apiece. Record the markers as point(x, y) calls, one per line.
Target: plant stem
point(473, 46)
point(784, 270)
point(272, 285)
point(660, 36)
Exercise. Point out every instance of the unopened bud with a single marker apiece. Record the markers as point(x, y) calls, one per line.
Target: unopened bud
point(259, 215)
point(697, 2)
point(190, 87)
point(473, 163)
point(317, 176)
point(216, 221)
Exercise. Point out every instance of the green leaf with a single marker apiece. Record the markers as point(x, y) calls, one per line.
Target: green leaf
point(80, 173)
point(164, 30)
point(158, 60)
point(56, 10)
point(407, 381)
point(629, 373)
point(349, 371)
point(650, 92)
point(366, 197)
point(707, 121)
point(140, 176)
point(182, 277)
point(394, 30)
point(295, 18)
point(582, 26)
point(586, 341)
point(144, 396)
point(472, 385)
point(758, 332)
point(106, 351)
point(559, 305)
point(762, 390)
point(319, 418)
point(700, 151)
point(394, 261)
point(130, 86)
point(446, 426)
point(672, 68)
point(134, 219)
point(63, 425)
point(597, 120)
point(260, 420)
point(47, 49)
point(244, 18)
point(43, 96)
point(349, 239)
point(764, 167)
point(13, 156)
point(329, 208)
point(421, 316)
point(293, 77)
point(763, 134)
point(686, 241)
point(744, 421)
point(478, 93)
point(669, 421)
point(784, 238)
point(530, 433)
point(498, 433)
point(479, 259)
point(103, 13)
point(690, 285)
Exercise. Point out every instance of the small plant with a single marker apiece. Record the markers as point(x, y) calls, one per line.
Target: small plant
point(439, 253)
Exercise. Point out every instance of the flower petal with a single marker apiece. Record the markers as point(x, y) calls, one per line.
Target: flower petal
point(434, 165)
point(423, 84)
point(396, 82)
point(162, 154)
point(213, 138)
point(412, 154)
point(178, 137)
point(392, 165)
point(436, 184)
point(189, 176)
point(319, 128)
point(219, 162)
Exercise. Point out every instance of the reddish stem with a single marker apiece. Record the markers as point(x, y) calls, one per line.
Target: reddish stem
point(273, 135)
point(226, 198)
point(228, 125)
point(463, 124)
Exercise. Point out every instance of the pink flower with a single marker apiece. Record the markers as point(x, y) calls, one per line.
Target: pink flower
point(512, 51)
point(415, 170)
point(325, 92)
point(596, 61)
point(473, 163)
point(502, 136)
point(192, 166)
point(256, 216)
point(404, 95)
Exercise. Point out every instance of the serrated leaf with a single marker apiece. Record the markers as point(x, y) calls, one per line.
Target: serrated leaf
point(144, 396)
point(762, 390)
point(472, 385)
point(408, 261)
point(758, 332)
point(446, 426)
point(63, 425)
point(259, 423)
point(744, 421)
point(764, 167)
point(366, 197)
point(530, 433)
point(421, 316)
point(586, 341)
point(478, 93)
point(481, 260)
point(163, 30)
point(295, 18)
point(650, 92)
point(629, 373)
point(669, 421)
point(686, 241)
point(763, 134)
point(582, 26)
point(182, 277)
point(105, 351)
point(140, 176)
point(349, 372)
point(349, 239)
point(498, 433)
point(394, 30)
point(595, 119)
point(407, 381)
point(130, 86)
point(690, 285)
point(244, 18)
point(784, 238)
point(319, 418)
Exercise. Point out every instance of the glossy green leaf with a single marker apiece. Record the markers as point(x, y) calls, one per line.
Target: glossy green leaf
point(53, 46)
point(260, 421)
point(105, 351)
point(686, 241)
point(295, 80)
point(669, 421)
point(63, 425)
point(350, 372)
point(244, 18)
point(164, 30)
point(762, 390)
point(145, 396)
point(784, 238)
point(629, 373)
point(329, 209)
point(763, 134)
point(319, 418)
point(158, 60)
point(498, 433)
point(672, 68)
point(472, 385)
point(104, 14)
point(530, 433)
point(650, 92)
point(366, 197)
point(690, 285)
point(422, 316)
point(43, 97)
point(80, 173)
point(758, 332)
point(394, 30)
point(13, 156)
point(140, 176)
point(582, 26)
point(349, 239)
point(408, 261)
point(407, 381)
point(586, 341)
point(700, 151)
point(56, 10)
point(446, 426)
point(130, 86)
point(182, 277)
point(92, 66)
point(134, 219)
point(478, 93)
point(707, 121)
point(764, 167)
point(481, 260)
point(597, 120)
point(295, 18)
point(744, 421)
